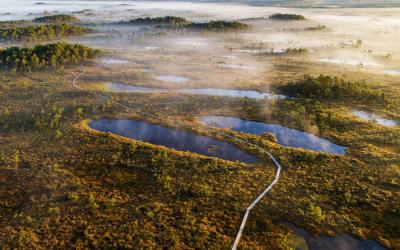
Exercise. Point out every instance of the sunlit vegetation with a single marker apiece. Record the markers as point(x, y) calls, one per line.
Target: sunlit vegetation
point(63, 185)
point(41, 32)
point(280, 16)
point(61, 18)
point(179, 22)
point(57, 55)
point(118, 193)
point(332, 89)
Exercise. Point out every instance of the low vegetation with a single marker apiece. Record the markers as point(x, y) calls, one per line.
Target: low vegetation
point(64, 186)
point(41, 32)
point(329, 88)
point(107, 192)
point(280, 16)
point(57, 55)
point(61, 18)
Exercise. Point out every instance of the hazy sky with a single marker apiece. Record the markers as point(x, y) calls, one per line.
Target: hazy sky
point(317, 3)
point(297, 3)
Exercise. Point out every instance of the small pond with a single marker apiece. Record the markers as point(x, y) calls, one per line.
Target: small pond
point(172, 138)
point(374, 118)
point(285, 136)
point(172, 78)
point(347, 62)
point(120, 87)
point(394, 72)
point(151, 48)
point(114, 61)
point(192, 43)
point(253, 51)
point(234, 66)
point(302, 240)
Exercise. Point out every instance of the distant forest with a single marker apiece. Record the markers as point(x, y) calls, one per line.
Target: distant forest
point(41, 32)
point(57, 55)
point(180, 22)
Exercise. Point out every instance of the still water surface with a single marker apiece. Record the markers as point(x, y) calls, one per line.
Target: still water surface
point(172, 138)
point(285, 136)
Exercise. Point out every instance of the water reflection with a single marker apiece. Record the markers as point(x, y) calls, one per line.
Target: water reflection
point(339, 242)
point(285, 136)
point(172, 138)
point(374, 118)
point(119, 87)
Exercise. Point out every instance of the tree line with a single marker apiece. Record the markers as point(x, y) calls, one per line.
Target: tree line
point(60, 18)
point(166, 20)
point(56, 55)
point(332, 88)
point(280, 16)
point(41, 32)
point(218, 26)
point(180, 22)
point(5, 24)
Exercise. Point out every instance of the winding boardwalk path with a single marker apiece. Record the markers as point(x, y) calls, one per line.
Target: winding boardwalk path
point(251, 206)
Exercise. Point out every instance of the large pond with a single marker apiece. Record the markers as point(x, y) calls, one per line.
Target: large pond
point(285, 136)
point(374, 118)
point(172, 138)
point(119, 87)
point(304, 241)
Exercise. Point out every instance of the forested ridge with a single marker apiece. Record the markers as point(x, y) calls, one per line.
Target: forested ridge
point(41, 32)
point(171, 20)
point(218, 26)
point(180, 22)
point(61, 18)
point(280, 16)
point(332, 88)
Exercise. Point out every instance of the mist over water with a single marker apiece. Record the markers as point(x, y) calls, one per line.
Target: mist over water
point(119, 87)
point(367, 116)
